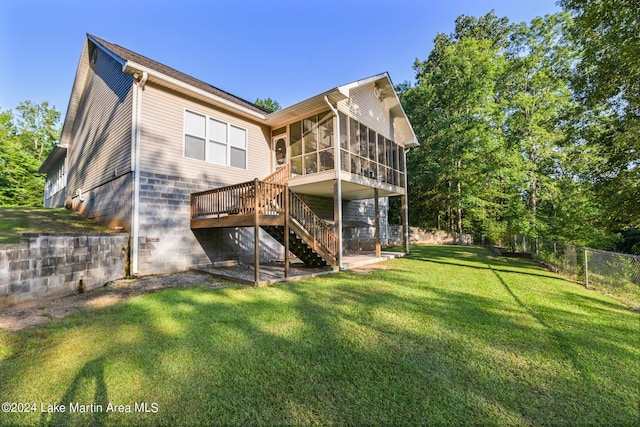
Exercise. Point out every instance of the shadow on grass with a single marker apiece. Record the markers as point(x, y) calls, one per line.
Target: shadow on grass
point(90, 375)
point(470, 256)
point(345, 349)
point(562, 342)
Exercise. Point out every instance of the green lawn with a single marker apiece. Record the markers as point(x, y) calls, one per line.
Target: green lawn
point(449, 335)
point(14, 221)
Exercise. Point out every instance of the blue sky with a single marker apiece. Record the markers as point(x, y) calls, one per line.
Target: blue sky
point(286, 50)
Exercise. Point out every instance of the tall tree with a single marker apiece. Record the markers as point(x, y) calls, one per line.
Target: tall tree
point(607, 81)
point(455, 106)
point(538, 97)
point(26, 138)
point(459, 173)
point(492, 107)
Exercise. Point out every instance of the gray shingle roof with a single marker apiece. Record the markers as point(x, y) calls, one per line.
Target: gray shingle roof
point(129, 55)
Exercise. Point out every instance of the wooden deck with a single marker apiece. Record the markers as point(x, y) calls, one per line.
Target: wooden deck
point(238, 220)
point(272, 206)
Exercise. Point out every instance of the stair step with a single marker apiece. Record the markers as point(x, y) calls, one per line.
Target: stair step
point(297, 246)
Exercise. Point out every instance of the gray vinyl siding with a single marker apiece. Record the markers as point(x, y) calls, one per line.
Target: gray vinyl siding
point(100, 147)
point(363, 106)
point(167, 178)
point(56, 200)
point(162, 140)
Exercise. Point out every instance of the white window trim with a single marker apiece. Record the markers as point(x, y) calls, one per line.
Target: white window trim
point(207, 139)
point(56, 180)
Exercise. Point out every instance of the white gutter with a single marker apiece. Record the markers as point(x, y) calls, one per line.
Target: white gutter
point(338, 169)
point(138, 86)
point(133, 67)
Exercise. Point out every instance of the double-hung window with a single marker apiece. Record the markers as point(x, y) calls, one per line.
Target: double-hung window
point(214, 141)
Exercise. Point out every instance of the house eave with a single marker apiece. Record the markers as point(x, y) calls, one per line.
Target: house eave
point(131, 67)
point(58, 153)
point(304, 107)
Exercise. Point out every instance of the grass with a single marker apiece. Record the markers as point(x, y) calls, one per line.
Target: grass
point(15, 221)
point(449, 335)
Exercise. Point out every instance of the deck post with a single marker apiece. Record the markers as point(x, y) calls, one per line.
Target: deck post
point(286, 231)
point(377, 216)
point(256, 228)
point(337, 217)
point(405, 224)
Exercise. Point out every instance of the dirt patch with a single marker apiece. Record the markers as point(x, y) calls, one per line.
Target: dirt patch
point(369, 268)
point(38, 312)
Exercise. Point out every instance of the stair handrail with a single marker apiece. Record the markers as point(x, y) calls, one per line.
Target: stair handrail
point(312, 223)
point(240, 199)
point(279, 176)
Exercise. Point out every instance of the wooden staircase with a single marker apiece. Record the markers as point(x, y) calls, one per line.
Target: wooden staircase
point(298, 246)
point(271, 205)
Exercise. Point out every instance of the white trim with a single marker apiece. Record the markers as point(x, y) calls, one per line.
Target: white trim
point(412, 141)
point(118, 59)
point(136, 132)
point(275, 139)
point(338, 176)
point(131, 66)
point(344, 89)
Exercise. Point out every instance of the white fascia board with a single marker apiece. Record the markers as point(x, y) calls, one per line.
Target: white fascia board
point(132, 67)
point(118, 59)
point(411, 142)
point(74, 98)
point(346, 88)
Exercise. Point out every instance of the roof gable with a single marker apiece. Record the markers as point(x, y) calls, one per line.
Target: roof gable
point(384, 91)
point(128, 56)
point(134, 63)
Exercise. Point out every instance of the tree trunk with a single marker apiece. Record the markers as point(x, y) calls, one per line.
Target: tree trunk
point(459, 209)
point(449, 210)
point(533, 188)
point(459, 190)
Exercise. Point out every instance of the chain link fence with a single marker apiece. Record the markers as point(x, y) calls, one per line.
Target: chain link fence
point(611, 272)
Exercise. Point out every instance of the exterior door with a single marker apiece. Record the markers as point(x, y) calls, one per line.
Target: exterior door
point(280, 151)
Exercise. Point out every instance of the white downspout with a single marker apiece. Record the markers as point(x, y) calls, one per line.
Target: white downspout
point(406, 195)
point(338, 169)
point(135, 151)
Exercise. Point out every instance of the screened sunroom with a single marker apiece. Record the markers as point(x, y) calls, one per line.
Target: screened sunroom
point(346, 145)
point(374, 134)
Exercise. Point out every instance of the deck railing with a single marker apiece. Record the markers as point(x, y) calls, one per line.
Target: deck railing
point(240, 199)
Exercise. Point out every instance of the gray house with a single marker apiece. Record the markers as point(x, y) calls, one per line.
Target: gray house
point(193, 172)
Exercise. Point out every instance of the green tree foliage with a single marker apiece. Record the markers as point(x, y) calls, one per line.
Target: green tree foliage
point(607, 81)
point(537, 99)
point(455, 108)
point(498, 155)
point(26, 138)
point(268, 104)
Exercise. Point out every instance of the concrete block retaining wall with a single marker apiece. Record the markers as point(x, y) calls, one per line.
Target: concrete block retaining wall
point(438, 237)
point(46, 265)
point(364, 238)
